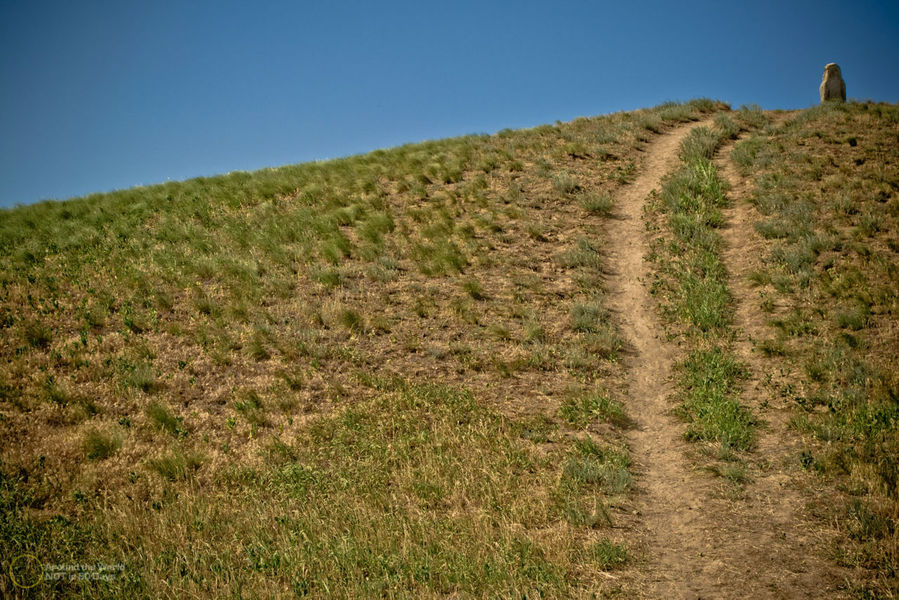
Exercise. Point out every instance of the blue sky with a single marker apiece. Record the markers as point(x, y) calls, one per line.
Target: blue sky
point(98, 96)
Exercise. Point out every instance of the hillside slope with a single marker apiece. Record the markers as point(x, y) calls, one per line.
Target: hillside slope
point(821, 262)
point(197, 348)
point(416, 373)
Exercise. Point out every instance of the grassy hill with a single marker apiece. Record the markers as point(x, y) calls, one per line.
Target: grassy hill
point(826, 205)
point(395, 374)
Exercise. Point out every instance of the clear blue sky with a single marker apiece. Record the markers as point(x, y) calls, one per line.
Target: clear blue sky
point(104, 95)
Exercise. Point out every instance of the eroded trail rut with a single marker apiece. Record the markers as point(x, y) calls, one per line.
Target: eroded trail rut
point(699, 543)
point(670, 505)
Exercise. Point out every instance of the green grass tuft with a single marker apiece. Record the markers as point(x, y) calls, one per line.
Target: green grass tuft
point(581, 410)
point(100, 445)
point(162, 418)
point(597, 203)
point(566, 183)
point(176, 465)
point(609, 555)
point(710, 400)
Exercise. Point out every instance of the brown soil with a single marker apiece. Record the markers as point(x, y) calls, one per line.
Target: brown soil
point(700, 541)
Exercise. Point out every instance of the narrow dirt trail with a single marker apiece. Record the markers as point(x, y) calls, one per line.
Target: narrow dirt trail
point(670, 502)
point(699, 542)
point(776, 492)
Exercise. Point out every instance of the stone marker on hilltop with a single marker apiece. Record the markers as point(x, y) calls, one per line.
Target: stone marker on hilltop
point(832, 86)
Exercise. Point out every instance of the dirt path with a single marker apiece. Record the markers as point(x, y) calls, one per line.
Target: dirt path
point(699, 543)
point(670, 502)
point(776, 491)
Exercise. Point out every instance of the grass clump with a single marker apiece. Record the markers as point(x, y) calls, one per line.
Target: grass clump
point(162, 418)
point(609, 555)
point(726, 125)
point(650, 122)
point(589, 464)
point(700, 144)
point(37, 334)
point(439, 257)
point(581, 410)
point(99, 445)
point(585, 254)
point(142, 377)
point(751, 117)
point(328, 276)
point(604, 343)
point(673, 111)
point(351, 319)
point(565, 183)
point(258, 348)
point(588, 317)
point(251, 407)
point(597, 203)
point(175, 465)
point(499, 332)
point(473, 288)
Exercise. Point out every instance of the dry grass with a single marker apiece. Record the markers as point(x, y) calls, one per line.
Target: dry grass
point(197, 351)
